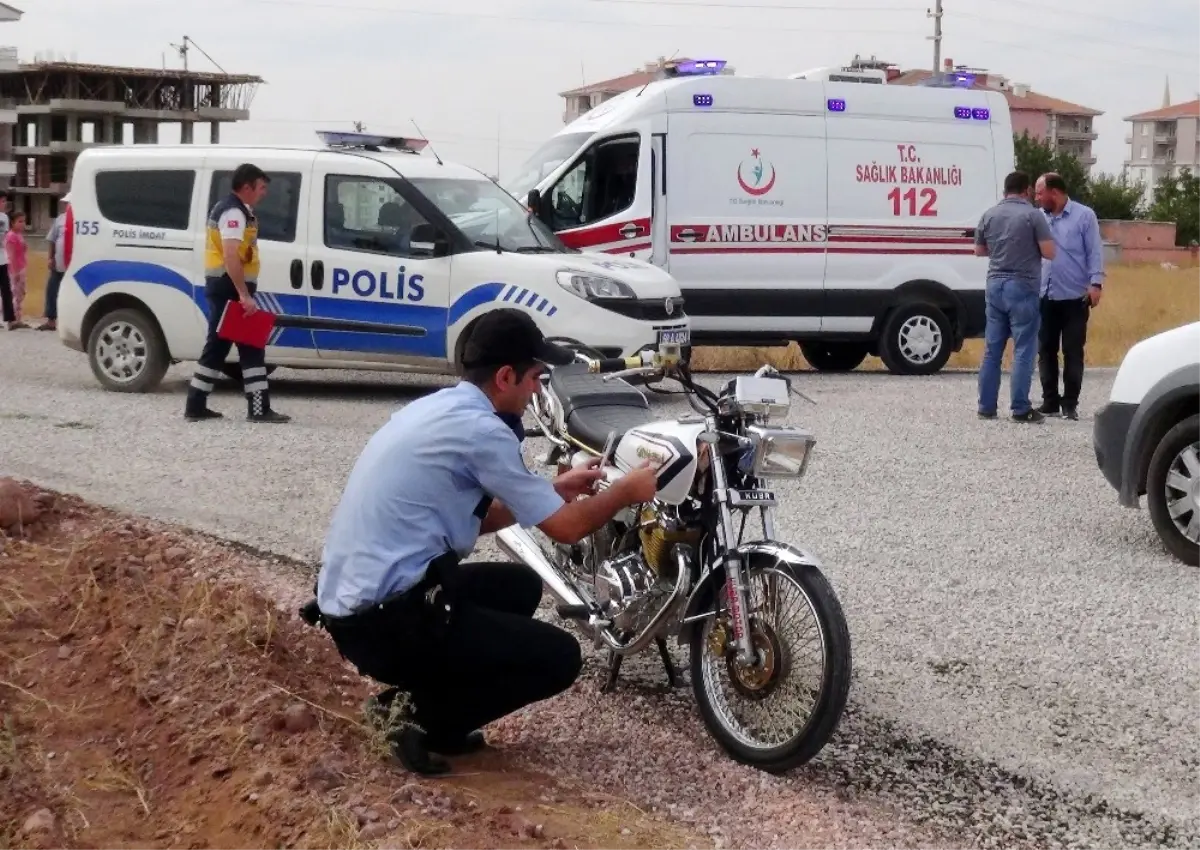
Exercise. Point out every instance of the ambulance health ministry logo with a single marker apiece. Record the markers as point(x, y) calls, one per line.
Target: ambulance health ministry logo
point(752, 175)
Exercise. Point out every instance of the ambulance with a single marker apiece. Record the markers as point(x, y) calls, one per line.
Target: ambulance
point(374, 254)
point(815, 208)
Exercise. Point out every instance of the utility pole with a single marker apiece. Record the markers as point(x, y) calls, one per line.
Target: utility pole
point(936, 14)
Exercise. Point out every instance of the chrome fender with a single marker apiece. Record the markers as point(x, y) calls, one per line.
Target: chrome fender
point(699, 603)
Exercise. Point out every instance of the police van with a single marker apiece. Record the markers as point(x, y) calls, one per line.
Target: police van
point(813, 209)
point(374, 255)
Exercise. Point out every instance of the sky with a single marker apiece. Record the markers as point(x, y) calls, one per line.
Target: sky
point(481, 77)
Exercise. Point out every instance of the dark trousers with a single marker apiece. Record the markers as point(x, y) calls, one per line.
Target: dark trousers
point(218, 292)
point(1065, 323)
point(50, 311)
point(488, 659)
point(6, 295)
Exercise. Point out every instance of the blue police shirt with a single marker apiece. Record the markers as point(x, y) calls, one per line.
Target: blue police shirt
point(413, 492)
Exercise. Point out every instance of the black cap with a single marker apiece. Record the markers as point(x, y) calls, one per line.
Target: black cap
point(510, 337)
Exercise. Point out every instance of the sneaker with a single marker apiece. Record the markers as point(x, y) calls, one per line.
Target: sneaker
point(1071, 413)
point(1030, 415)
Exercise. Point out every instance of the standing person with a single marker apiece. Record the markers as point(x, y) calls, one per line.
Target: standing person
point(231, 264)
point(6, 298)
point(15, 256)
point(1015, 237)
point(460, 638)
point(1071, 285)
point(57, 263)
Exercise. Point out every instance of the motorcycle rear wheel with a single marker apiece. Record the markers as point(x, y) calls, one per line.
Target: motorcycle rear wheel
point(780, 714)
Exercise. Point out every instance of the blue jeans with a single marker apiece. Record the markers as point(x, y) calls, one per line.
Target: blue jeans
point(1012, 311)
point(51, 309)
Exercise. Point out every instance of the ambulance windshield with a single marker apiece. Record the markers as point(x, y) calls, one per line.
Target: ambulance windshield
point(488, 215)
point(544, 160)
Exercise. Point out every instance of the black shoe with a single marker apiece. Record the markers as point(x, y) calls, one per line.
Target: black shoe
point(1071, 412)
point(1030, 415)
point(201, 415)
point(472, 742)
point(986, 414)
point(258, 408)
point(268, 416)
point(1049, 408)
point(408, 745)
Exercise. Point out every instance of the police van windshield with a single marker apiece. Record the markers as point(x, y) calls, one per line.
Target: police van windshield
point(544, 160)
point(488, 215)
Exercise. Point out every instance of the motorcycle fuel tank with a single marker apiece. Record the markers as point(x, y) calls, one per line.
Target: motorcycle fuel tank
point(669, 444)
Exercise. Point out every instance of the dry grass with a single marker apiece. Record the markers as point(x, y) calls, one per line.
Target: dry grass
point(1138, 302)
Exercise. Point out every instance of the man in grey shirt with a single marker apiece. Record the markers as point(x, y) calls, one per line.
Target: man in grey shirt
point(1014, 236)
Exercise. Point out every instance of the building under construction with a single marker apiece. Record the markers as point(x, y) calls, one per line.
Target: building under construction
point(64, 107)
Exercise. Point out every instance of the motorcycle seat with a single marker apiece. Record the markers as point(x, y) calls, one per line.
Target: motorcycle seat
point(592, 407)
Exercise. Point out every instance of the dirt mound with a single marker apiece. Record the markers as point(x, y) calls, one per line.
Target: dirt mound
point(146, 702)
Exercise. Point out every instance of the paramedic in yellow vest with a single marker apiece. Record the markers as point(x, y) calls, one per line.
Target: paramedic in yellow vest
point(230, 274)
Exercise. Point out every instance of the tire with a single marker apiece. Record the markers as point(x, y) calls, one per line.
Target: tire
point(836, 666)
point(834, 356)
point(896, 346)
point(127, 352)
point(1166, 468)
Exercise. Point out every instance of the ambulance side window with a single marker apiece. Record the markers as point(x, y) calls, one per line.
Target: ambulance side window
point(368, 214)
point(601, 184)
point(278, 213)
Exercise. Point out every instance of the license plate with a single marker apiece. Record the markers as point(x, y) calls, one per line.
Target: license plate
point(675, 336)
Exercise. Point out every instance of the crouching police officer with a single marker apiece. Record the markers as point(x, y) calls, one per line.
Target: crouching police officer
point(460, 639)
point(230, 274)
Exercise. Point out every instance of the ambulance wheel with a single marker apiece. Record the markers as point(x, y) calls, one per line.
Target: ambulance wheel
point(127, 352)
point(916, 339)
point(233, 371)
point(834, 356)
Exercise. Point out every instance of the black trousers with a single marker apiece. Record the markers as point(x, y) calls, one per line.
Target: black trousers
point(1063, 323)
point(6, 295)
point(486, 660)
point(218, 292)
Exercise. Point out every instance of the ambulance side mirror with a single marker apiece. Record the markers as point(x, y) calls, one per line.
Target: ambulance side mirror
point(427, 241)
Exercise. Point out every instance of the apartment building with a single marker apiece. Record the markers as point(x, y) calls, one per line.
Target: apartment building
point(1163, 141)
point(8, 106)
point(591, 95)
point(1068, 126)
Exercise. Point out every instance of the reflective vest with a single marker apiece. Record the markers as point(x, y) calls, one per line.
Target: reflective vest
point(214, 250)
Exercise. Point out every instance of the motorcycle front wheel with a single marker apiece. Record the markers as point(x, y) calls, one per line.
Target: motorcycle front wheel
point(779, 713)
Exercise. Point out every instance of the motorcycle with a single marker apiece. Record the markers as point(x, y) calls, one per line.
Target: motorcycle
point(769, 646)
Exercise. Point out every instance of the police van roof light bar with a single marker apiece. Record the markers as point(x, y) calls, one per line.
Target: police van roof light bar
point(696, 67)
point(370, 141)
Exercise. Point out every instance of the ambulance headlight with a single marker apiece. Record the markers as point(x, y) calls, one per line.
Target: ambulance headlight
point(593, 286)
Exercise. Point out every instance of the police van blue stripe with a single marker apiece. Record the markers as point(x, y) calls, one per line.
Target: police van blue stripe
point(431, 321)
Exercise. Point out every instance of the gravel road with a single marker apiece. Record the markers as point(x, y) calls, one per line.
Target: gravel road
point(1025, 652)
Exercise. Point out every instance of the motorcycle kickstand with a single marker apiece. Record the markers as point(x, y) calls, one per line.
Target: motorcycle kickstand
point(665, 654)
point(614, 670)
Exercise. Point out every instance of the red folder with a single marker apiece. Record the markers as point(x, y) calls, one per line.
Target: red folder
point(253, 330)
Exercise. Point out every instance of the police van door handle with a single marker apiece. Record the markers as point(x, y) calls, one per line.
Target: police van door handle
point(318, 274)
point(297, 271)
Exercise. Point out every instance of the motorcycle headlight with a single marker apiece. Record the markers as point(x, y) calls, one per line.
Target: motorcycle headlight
point(593, 286)
point(780, 452)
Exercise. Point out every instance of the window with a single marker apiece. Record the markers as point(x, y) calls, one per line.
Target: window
point(278, 212)
point(1145, 129)
point(368, 214)
point(1145, 152)
point(487, 215)
point(160, 198)
point(601, 184)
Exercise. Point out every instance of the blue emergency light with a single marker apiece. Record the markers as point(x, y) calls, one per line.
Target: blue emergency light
point(963, 112)
point(967, 113)
point(702, 100)
point(835, 104)
point(698, 67)
point(370, 141)
point(981, 114)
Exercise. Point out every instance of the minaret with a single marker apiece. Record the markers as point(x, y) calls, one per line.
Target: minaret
point(1167, 91)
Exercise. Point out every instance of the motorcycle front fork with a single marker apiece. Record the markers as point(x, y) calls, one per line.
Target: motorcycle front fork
point(736, 591)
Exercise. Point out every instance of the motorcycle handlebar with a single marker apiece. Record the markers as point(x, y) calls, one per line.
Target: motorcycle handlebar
point(614, 364)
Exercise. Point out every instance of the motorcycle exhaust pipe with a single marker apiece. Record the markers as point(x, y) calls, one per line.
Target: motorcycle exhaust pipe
point(519, 545)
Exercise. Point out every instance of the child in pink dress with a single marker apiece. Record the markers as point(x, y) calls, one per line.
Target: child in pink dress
point(14, 248)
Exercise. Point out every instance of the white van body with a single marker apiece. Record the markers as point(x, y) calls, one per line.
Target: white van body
point(352, 291)
point(836, 214)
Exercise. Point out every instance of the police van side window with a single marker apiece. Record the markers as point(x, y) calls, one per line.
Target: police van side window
point(279, 211)
point(601, 184)
point(367, 214)
point(160, 198)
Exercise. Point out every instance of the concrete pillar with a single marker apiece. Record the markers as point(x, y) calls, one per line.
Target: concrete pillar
point(42, 135)
point(145, 132)
point(185, 132)
point(214, 132)
point(73, 134)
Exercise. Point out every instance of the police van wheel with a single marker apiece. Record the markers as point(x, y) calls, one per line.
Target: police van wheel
point(834, 356)
point(916, 340)
point(127, 352)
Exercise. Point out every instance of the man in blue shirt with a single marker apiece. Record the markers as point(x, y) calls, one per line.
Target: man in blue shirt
point(1071, 287)
point(1013, 235)
point(459, 639)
